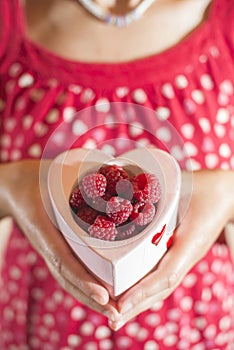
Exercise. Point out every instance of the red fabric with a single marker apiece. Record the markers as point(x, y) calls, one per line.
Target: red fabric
point(188, 94)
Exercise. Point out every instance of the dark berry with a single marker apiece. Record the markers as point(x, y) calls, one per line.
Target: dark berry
point(76, 199)
point(87, 214)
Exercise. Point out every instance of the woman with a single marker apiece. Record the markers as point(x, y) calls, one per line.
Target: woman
point(57, 58)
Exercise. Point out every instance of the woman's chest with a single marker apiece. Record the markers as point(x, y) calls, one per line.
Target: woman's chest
point(192, 118)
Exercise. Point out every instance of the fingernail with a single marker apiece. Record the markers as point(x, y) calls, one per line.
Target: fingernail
point(116, 325)
point(109, 315)
point(98, 299)
point(126, 307)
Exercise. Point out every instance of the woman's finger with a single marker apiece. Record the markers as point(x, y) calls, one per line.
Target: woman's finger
point(192, 239)
point(63, 263)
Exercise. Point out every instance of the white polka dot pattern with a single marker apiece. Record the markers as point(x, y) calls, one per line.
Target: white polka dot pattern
point(74, 340)
point(163, 113)
point(222, 115)
point(224, 150)
point(187, 130)
point(87, 95)
point(211, 160)
point(78, 313)
point(205, 125)
point(69, 114)
point(26, 80)
point(102, 105)
point(163, 134)
point(102, 332)
point(168, 91)
point(181, 81)
point(35, 150)
point(206, 82)
point(219, 130)
point(76, 89)
point(135, 129)
point(15, 69)
point(52, 116)
point(122, 91)
point(139, 96)
point(87, 328)
point(226, 87)
point(198, 96)
point(79, 127)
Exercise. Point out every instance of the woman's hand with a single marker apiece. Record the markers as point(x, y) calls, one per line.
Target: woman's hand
point(20, 197)
point(211, 208)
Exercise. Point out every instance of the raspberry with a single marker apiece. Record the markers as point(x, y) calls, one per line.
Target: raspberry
point(118, 209)
point(110, 205)
point(76, 199)
point(94, 185)
point(113, 173)
point(146, 188)
point(87, 214)
point(126, 231)
point(103, 228)
point(142, 213)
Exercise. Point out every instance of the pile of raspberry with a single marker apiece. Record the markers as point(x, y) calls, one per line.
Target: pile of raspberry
point(112, 204)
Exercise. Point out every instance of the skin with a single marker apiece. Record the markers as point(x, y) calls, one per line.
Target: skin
point(87, 39)
point(198, 230)
point(19, 188)
point(19, 181)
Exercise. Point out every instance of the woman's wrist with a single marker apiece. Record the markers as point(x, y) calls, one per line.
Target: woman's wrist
point(4, 181)
point(9, 180)
point(226, 188)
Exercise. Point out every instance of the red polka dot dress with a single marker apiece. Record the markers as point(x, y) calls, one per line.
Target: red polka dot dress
point(189, 86)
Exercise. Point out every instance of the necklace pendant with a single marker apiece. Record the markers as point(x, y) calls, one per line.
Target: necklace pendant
point(118, 20)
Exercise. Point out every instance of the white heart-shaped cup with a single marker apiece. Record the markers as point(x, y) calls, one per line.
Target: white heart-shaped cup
point(118, 264)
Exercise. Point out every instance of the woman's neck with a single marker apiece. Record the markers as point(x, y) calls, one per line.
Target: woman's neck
point(86, 39)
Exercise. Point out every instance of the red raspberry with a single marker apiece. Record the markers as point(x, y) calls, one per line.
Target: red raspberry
point(94, 185)
point(103, 228)
point(118, 209)
point(126, 231)
point(142, 213)
point(113, 173)
point(146, 188)
point(76, 199)
point(87, 214)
